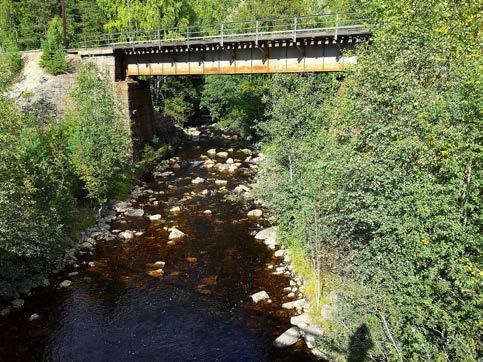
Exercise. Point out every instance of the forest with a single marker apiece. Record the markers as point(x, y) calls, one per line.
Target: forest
point(372, 175)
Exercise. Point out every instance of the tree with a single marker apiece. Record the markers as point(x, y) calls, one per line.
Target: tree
point(53, 56)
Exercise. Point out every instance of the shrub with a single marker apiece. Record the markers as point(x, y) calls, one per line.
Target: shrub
point(53, 56)
point(99, 136)
point(34, 196)
point(385, 177)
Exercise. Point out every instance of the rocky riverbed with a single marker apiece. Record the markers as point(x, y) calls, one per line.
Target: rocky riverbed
point(187, 268)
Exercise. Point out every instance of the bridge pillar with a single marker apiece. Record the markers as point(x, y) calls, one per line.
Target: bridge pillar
point(137, 107)
point(107, 59)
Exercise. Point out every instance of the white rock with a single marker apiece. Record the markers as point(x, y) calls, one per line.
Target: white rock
point(211, 152)
point(65, 284)
point(301, 320)
point(134, 212)
point(241, 188)
point(155, 217)
point(18, 303)
point(259, 296)
point(222, 154)
point(266, 233)
point(300, 303)
point(176, 234)
point(255, 213)
point(287, 338)
point(246, 151)
point(92, 264)
point(127, 235)
point(120, 206)
point(6, 311)
point(221, 182)
point(230, 161)
point(138, 233)
point(198, 180)
point(207, 212)
point(279, 253)
point(175, 209)
point(34, 317)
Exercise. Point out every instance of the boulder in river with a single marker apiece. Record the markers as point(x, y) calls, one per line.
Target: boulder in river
point(259, 296)
point(175, 209)
point(287, 338)
point(120, 206)
point(65, 284)
point(127, 235)
point(198, 180)
point(222, 154)
point(155, 217)
point(34, 317)
point(211, 152)
point(156, 273)
point(176, 234)
point(18, 303)
point(230, 161)
point(134, 212)
point(221, 182)
point(5, 312)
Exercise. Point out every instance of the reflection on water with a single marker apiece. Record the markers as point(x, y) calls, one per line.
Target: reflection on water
point(199, 310)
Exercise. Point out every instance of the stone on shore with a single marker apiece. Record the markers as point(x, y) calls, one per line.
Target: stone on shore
point(241, 188)
point(134, 212)
point(222, 154)
point(256, 213)
point(299, 304)
point(211, 152)
point(176, 234)
point(287, 338)
point(156, 217)
point(257, 297)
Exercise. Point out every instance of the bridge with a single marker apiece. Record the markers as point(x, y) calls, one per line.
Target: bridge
point(318, 43)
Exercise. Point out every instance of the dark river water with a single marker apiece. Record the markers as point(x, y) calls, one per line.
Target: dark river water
point(199, 310)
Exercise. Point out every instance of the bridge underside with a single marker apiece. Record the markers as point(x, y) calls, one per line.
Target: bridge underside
point(315, 53)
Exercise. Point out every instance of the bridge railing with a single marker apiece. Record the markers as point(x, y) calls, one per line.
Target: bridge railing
point(289, 28)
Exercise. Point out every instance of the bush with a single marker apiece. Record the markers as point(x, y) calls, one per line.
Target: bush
point(98, 136)
point(53, 56)
point(384, 177)
point(34, 196)
point(10, 62)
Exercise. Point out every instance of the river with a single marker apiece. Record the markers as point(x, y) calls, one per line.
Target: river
point(198, 310)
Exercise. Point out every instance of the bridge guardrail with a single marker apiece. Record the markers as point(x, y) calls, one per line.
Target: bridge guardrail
point(290, 28)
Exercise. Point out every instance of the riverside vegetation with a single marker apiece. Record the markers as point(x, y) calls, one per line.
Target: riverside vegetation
point(373, 176)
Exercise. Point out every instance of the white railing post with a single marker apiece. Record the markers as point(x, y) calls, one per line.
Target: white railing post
point(256, 32)
point(221, 40)
point(336, 25)
point(295, 29)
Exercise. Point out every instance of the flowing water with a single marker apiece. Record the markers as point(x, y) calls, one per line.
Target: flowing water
point(199, 310)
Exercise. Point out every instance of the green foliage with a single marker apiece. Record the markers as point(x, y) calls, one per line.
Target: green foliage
point(385, 176)
point(53, 56)
point(34, 195)
point(177, 97)
point(99, 137)
point(235, 101)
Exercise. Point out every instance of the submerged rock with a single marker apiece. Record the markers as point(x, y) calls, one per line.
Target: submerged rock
point(34, 317)
point(6, 311)
point(156, 273)
point(18, 303)
point(259, 296)
point(287, 338)
point(176, 234)
point(65, 284)
point(127, 235)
